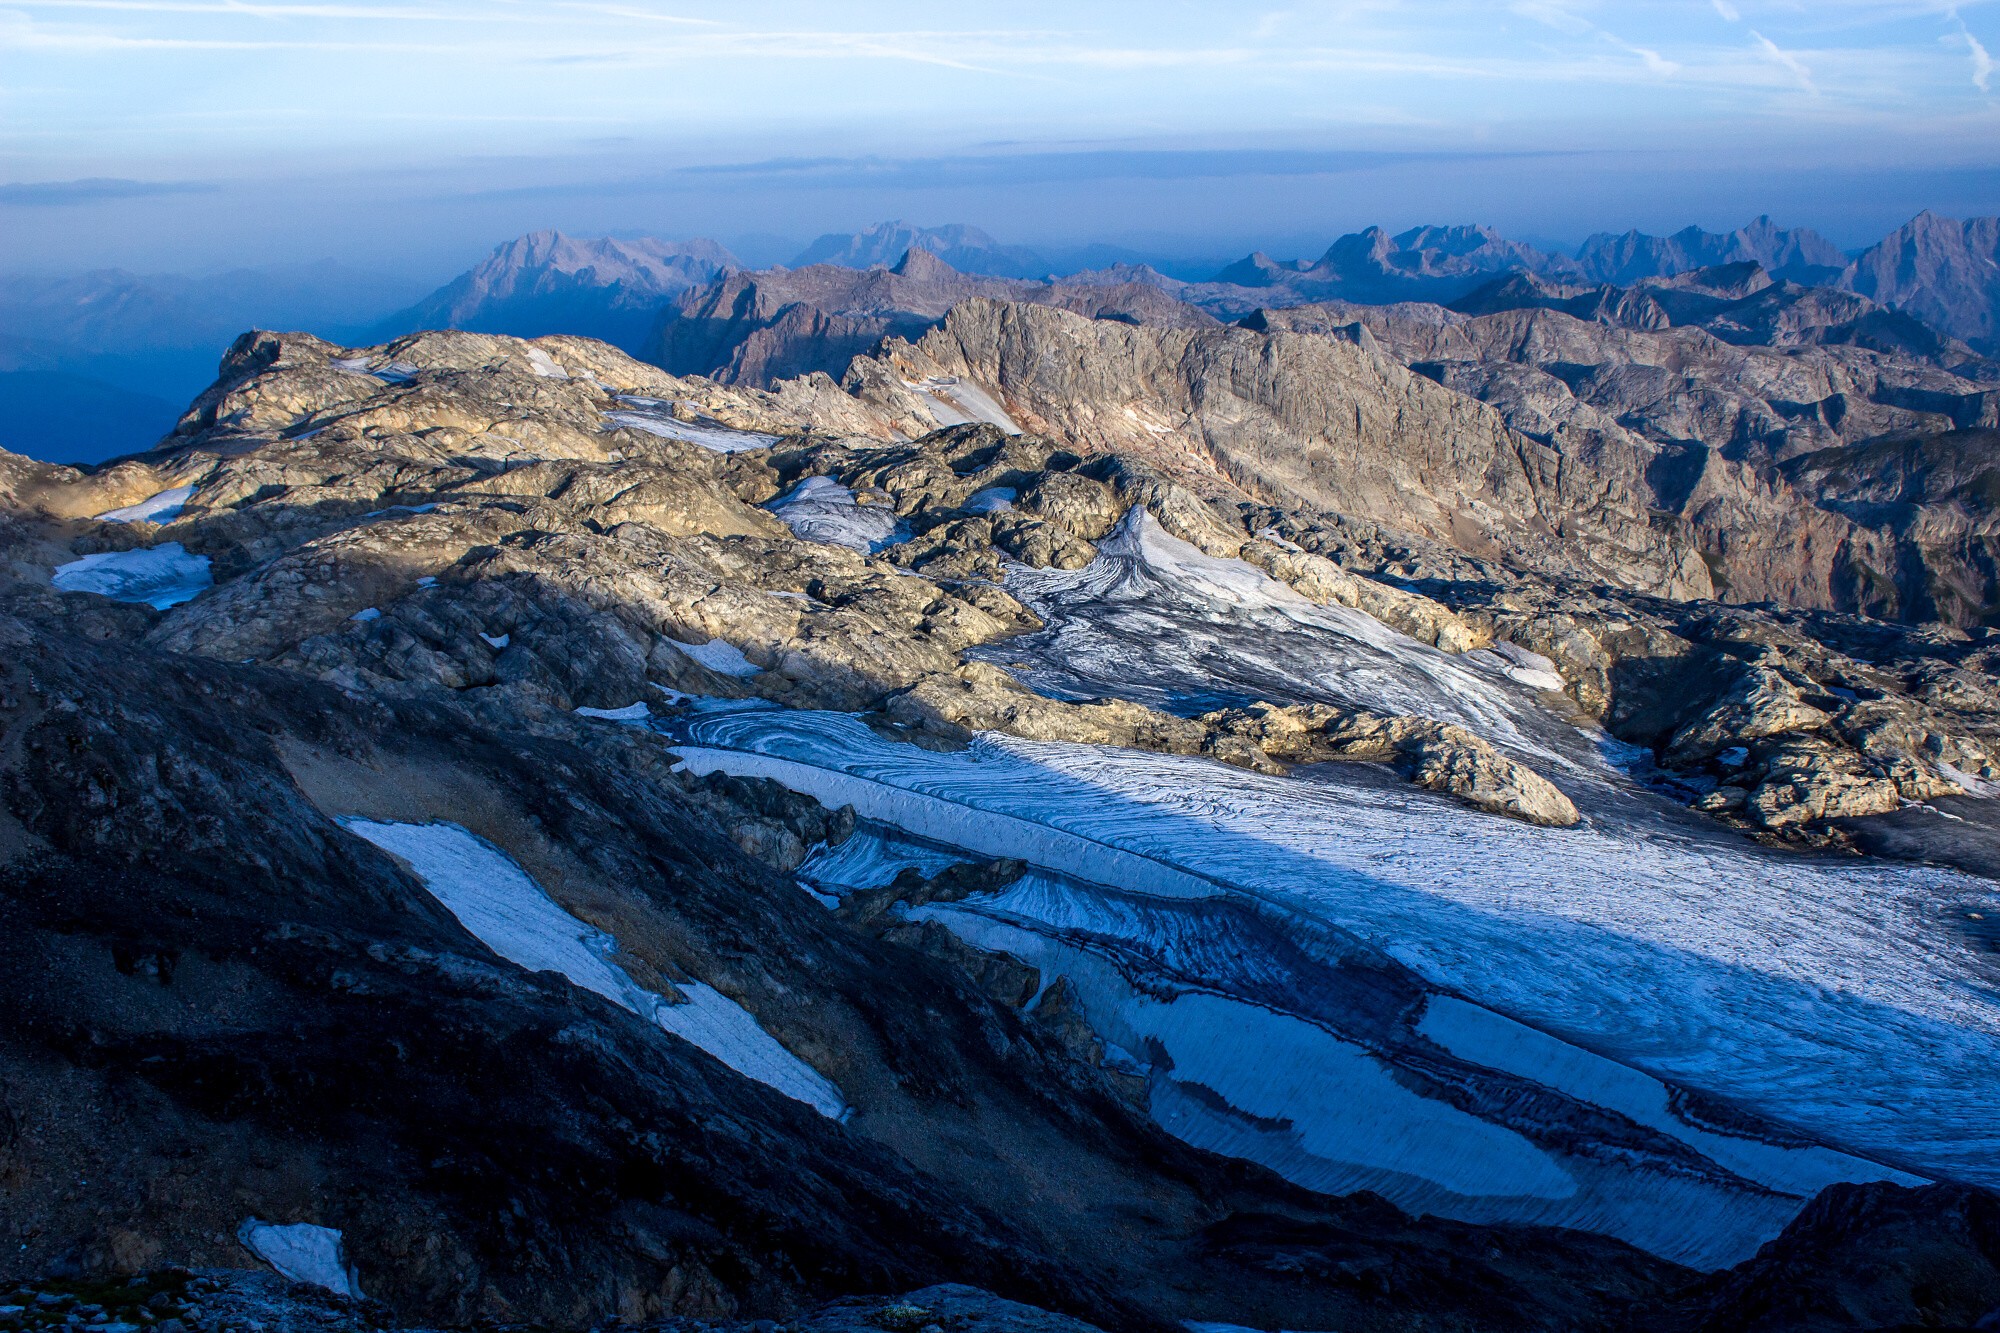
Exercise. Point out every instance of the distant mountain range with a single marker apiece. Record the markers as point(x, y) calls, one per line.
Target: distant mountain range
point(1945, 273)
point(966, 249)
point(89, 364)
point(97, 364)
point(546, 282)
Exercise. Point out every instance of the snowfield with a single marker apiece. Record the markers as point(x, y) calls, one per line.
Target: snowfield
point(302, 1252)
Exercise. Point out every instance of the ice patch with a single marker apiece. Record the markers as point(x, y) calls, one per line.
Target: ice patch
point(496, 641)
point(1155, 620)
point(367, 614)
point(302, 1252)
point(1338, 1102)
point(392, 372)
point(1497, 1042)
point(160, 576)
point(1734, 757)
point(992, 500)
point(871, 858)
point(655, 417)
point(508, 912)
point(820, 509)
point(960, 402)
point(637, 712)
point(545, 365)
point(163, 507)
point(720, 656)
point(1517, 663)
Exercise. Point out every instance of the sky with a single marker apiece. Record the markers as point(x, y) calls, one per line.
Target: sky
point(413, 135)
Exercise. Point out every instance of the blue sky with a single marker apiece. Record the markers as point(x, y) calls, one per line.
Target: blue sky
point(185, 133)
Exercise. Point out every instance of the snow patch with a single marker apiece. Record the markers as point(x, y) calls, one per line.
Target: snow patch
point(1967, 783)
point(163, 507)
point(655, 417)
point(507, 911)
point(1518, 664)
point(720, 656)
point(496, 641)
point(367, 614)
point(160, 576)
point(302, 1252)
point(959, 402)
point(637, 712)
point(820, 509)
point(545, 365)
point(992, 500)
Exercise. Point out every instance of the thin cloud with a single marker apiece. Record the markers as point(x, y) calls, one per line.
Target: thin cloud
point(1982, 63)
point(1575, 25)
point(1004, 170)
point(92, 190)
point(370, 13)
point(1786, 60)
point(1729, 12)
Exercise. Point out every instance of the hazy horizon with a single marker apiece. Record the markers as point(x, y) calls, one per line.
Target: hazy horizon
point(411, 137)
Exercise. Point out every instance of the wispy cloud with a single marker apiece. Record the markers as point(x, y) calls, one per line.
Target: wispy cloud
point(1033, 168)
point(1784, 60)
point(1729, 12)
point(1982, 63)
point(1575, 25)
point(95, 189)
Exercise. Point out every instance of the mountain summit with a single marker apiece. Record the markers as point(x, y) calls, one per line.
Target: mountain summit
point(966, 249)
point(546, 282)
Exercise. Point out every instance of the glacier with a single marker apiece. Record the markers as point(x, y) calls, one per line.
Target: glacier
point(1645, 1025)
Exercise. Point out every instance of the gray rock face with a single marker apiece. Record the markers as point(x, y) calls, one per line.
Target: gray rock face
point(1322, 422)
point(549, 283)
point(757, 328)
point(1717, 417)
point(1941, 270)
point(1798, 254)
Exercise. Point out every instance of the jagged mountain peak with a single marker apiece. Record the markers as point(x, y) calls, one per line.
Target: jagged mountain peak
point(966, 248)
point(923, 264)
point(1795, 253)
point(548, 282)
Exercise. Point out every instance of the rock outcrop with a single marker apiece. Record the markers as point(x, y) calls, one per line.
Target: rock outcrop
point(758, 328)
